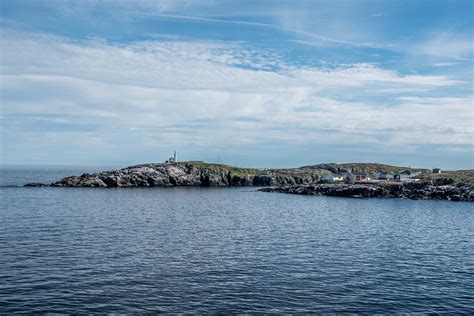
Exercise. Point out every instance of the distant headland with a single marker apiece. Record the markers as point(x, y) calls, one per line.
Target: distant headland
point(348, 179)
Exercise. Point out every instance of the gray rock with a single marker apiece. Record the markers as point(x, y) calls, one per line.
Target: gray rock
point(190, 174)
point(426, 190)
point(296, 181)
point(35, 184)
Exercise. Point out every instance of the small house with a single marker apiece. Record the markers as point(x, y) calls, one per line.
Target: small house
point(414, 174)
point(436, 170)
point(401, 177)
point(332, 177)
point(385, 176)
point(407, 176)
point(357, 176)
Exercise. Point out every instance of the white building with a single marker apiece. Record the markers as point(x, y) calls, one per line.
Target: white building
point(332, 177)
point(415, 174)
point(401, 177)
point(385, 176)
point(172, 159)
point(406, 177)
point(357, 177)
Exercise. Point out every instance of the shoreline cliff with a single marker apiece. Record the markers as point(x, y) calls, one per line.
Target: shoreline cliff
point(190, 174)
point(455, 186)
point(415, 191)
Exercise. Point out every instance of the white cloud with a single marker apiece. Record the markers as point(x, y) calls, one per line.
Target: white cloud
point(216, 94)
point(124, 7)
point(446, 44)
point(444, 64)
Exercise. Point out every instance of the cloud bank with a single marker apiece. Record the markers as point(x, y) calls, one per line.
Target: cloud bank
point(212, 95)
point(267, 83)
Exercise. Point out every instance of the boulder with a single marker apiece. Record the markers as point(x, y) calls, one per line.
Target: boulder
point(35, 184)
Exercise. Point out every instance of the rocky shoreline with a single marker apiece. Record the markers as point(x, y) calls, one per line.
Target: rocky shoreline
point(188, 174)
point(416, 191)
point(304, 180)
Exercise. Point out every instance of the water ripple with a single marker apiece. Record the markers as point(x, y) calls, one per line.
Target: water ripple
point(231, 251)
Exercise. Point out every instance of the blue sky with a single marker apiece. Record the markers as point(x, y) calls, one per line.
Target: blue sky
point(256, 83)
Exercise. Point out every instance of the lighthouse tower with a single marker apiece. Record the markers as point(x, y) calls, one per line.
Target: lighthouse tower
point(173, 159)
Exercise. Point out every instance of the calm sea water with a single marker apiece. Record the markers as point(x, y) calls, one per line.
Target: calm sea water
point(227, 250)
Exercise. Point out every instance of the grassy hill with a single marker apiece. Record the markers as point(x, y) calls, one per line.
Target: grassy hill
point(457, 175)
point(371, 168)
point(314, 171)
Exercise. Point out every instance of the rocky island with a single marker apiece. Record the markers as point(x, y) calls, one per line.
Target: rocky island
point(307, 180)
point(193, 173)
point(416, 191)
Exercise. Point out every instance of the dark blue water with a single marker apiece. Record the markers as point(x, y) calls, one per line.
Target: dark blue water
point(97, 250)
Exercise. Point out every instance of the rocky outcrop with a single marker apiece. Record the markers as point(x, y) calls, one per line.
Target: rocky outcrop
point(459, 186)
point(417, 190)
point(35, 184)
point(190, 174)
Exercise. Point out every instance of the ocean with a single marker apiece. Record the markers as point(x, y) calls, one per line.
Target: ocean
point(226, 250)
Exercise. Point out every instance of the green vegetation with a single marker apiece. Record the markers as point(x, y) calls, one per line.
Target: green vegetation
point(321, 169)
point(458, 175)
point(219, 168)
point(377, 167)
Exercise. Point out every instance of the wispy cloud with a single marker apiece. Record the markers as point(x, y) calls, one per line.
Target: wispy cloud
point(444, 64)
point(447, 44)
point(160, 90)
point(305, 80)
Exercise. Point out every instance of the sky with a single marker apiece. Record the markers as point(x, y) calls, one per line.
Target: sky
point(249, 83)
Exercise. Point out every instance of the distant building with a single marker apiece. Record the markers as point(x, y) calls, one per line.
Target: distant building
point(172, 159)
point(385, 176)
point(332, 178)
point(357, 176)
point(436, 170)
point(415, 173)
point(407, 176)
point(401, 177)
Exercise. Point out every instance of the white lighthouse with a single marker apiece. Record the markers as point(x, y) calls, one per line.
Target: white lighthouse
point(172, 159)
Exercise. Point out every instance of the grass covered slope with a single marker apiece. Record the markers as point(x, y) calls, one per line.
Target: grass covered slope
point(198, 173)
point(458, 176)
point(370, 168)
